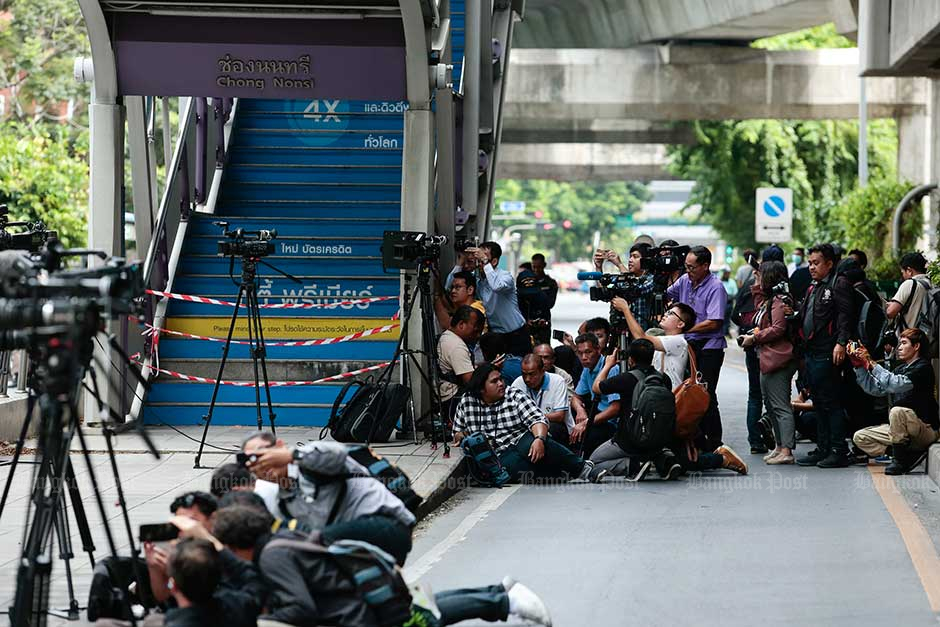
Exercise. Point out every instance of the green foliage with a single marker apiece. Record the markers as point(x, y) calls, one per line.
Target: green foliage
point(589, 206)
point(865, 215)
point(817, 159)
point(44, 176)
point(823, 36)
point(38, 45)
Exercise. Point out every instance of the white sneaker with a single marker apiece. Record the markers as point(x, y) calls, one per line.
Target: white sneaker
point(586, 470)
point(525, 604)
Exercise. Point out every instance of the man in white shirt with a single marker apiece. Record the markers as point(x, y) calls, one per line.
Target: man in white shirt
point(550, 393)
point(911, 293)
point(672, 345)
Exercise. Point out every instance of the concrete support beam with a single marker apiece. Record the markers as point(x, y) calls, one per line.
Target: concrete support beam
point(670, 83)
point(584, 162)
point(597, 132)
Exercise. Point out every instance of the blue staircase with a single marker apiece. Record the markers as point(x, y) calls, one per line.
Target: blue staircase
point(327, 176)
point(457, 23)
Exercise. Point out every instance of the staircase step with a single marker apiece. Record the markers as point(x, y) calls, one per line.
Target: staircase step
point(313, 155)
point(380, 139)
point(278, 369)
point(184, 415)
point(366, 176)
point(313, 209)
point(287, 227)
point(302, 191)
point(309, 248)
point(360, 350)
point(323, 265)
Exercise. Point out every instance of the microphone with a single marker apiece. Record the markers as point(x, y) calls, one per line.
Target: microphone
point(590, 276)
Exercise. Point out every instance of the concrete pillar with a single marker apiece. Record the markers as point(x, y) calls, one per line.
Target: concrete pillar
point(913, 148)
point(928, 241)
point(106, 222)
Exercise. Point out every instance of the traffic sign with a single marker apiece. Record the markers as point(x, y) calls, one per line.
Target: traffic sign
point(512, 206)
point(773, 215)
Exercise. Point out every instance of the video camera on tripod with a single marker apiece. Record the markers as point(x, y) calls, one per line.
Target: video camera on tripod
point(664, 260)
point(407, 250)
point(32, 239)
point(244, 243)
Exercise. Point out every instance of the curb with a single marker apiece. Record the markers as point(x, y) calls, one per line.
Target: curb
point(445, 489)
point(933, 463)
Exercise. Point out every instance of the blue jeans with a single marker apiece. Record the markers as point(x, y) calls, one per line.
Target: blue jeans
point(557, 462)
point(490, 603)
point(755, 401)
point(825, 385)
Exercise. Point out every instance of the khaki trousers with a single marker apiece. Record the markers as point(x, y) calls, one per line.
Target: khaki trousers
point(904, 427)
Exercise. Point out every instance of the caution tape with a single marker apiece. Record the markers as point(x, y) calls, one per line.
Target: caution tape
point(251, 384)
point(225, 303)
point(152, 331)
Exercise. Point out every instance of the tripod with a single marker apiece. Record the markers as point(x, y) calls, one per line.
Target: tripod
point(406, 356)
point(57, 380)
point(247, 291)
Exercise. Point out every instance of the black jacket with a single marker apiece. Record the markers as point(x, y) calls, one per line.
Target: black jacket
point(921, 399)
point(833, 315)
point(237, 601)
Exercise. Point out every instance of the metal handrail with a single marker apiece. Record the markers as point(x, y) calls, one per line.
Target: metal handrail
point(173, 173)
point(912, 196)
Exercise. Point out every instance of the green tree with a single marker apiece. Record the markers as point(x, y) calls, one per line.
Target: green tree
point(588, 206)
point(39, 40)
point(44, 176)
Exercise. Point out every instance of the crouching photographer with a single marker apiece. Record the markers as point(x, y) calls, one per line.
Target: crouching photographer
point(324, 489)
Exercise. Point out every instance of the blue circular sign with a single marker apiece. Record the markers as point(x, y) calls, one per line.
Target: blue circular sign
point(775, 206)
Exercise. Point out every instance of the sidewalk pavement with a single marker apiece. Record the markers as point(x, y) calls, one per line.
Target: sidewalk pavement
point(150, 484)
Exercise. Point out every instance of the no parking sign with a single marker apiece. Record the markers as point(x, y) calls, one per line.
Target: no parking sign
point(774, 215)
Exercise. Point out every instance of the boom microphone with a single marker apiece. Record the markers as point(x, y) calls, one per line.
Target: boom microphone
point(590, 276)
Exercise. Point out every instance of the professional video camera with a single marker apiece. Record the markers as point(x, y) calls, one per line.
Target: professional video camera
point(32, 239)
point(406, 250)
point(242, 243)
point(664, 260)
point(610, 286)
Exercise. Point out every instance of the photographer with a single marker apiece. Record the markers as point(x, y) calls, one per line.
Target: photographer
point(672, 344)
point(912, 421)
point(639, 289)
point(463, 291)
point(537, 293)
point(608, 404)
point(455, 358)
point(498, 292)
point(776, 355)
point(702, 291)
point(324, 489)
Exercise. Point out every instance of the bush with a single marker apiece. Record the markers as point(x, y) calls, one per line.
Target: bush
point(44, 176)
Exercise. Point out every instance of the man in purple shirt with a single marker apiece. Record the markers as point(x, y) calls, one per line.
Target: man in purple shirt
point(704, 293)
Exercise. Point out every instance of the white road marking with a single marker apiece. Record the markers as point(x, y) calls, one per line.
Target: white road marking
point(420, 568)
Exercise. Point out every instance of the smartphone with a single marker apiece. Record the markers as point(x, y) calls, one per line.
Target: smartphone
point(558, 335)
point(159, 532)
point(752, 259)
point(242, 459)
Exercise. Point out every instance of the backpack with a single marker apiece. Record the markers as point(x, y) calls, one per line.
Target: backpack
point(389, 474)
point(108, 596)
point(652, 420)
point(373, 572)
point(872, 321)
point(928, 320)
point(371, 413)
point(482, 461)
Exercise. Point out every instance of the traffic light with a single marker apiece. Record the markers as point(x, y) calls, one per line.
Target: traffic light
point(729, 254)
point(539, 214)
point(566, 224)
point(548, 226)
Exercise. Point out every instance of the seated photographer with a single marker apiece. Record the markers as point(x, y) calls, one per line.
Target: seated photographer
point(237, 595)
point(912, 421)
point(497, 290)
point(198, 506)
point(516, 426)
point(608, 404)
point(618, 456)
point(550, 393)
point(324, 489)
point(231, 477)
point(455, 358)
point(462, 291)
point(309, 586)
point(494, 349)
point(672, 344)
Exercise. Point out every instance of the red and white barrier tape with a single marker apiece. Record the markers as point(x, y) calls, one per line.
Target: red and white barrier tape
point(153, 331)
point(213, 301)
point(251, 384)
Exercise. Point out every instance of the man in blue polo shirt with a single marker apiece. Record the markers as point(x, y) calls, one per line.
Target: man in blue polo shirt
point(608, 406)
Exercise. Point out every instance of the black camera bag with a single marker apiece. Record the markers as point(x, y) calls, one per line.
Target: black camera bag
point(370, 414)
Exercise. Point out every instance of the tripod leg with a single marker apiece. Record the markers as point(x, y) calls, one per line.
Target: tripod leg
point(61, 529)
point(263, 358)
point(81, 518)
point(254, 347)
point(30, 405)
point(218, 378)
